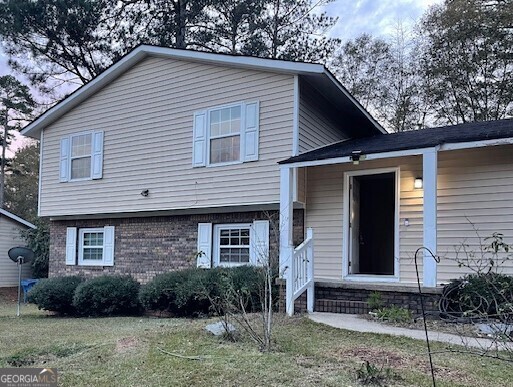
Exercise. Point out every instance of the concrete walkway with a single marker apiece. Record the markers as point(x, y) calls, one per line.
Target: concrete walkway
point(353, 322)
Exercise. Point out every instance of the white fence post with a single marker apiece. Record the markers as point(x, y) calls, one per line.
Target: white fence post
point(310, 293)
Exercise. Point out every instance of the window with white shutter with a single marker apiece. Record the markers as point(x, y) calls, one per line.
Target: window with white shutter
point(226, 135)
point(81, 156)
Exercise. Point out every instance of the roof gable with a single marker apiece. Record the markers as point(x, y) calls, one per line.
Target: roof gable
point(16, 218)
point(316, 72)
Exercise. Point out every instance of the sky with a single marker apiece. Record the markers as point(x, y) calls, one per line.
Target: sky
point(376, 17)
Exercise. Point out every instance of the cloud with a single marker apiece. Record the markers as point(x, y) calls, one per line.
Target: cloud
point(376, 17)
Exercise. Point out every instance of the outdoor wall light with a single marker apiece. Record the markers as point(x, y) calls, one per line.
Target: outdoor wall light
point(145, 193)
point(355, 156)
point(418, 183)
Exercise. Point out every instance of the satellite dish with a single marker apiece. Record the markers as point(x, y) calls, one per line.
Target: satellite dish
point(21, 255)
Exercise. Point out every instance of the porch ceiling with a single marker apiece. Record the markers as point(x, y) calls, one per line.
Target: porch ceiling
point(415, 139)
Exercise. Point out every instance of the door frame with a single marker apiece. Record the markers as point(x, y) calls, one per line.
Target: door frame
point(346, 232)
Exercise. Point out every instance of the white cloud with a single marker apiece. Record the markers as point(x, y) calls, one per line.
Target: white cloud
point(377, 17)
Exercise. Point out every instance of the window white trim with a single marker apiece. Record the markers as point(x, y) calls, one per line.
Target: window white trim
point(90, 262)
point(248, 134)
point(217, 245)
point(346, 232)
point(95, 156)
point(71, 158)
point(209, 137)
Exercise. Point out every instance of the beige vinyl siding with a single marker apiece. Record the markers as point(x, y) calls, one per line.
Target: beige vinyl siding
point(316, 128)
point(324, 213)
point(10, 237)
point(475, 191)
point(147, 117)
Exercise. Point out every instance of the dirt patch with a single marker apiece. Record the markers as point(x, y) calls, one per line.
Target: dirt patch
point(389, 359)
point(126, 344)
point(9, 295)
point(376, 356)
point(31, 360)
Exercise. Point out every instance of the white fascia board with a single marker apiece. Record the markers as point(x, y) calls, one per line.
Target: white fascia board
point(476, 144)
point(355, 102)
point(364, 157)
point(408, 152)
point(238, 61)
point(16, 218)
point(114, 71)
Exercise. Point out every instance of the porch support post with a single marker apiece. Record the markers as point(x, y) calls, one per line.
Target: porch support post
point(430, 172)
point(286, 228)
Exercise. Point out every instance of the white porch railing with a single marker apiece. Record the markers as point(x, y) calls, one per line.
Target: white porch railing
point(300, 274)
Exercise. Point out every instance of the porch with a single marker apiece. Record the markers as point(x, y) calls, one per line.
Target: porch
point(426, 196)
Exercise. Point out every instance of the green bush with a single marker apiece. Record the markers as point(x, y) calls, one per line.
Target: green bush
point(479, 295)
point(394, 314)
point(55, 294)
point(108, 295)
point(190, 292)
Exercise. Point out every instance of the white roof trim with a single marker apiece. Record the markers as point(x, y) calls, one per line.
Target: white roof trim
point(16, 218)
point(401, 153)
point(128, 61)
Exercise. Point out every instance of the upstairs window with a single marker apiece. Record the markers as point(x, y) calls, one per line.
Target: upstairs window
point(81, 156)
point(226, 135)
point(225, 125)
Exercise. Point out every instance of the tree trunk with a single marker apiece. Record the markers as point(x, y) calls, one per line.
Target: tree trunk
point(180, 23)
point(2, 164)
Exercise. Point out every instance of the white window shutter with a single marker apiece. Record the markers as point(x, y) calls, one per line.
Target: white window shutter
point(204, 259)
point(250, 132)
point(260, 242)
point(71, 246)
point(97, 159)
point(199, 147)
point(108, 246)
point(64, 163)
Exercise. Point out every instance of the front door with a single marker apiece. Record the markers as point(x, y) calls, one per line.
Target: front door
point(372, 225)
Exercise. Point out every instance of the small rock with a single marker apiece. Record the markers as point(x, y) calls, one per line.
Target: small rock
point(493, 329)
point(218, 329)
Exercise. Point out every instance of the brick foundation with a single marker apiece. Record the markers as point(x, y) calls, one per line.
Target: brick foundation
point(147, 246)
point(351, 300)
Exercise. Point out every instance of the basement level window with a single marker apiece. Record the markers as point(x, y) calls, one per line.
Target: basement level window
point(232, 244)
point(91, 246)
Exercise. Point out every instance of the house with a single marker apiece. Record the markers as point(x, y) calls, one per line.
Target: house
point(170, 152)
point(11, 227)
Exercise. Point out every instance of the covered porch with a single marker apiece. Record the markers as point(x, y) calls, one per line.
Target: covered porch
point(370, 203)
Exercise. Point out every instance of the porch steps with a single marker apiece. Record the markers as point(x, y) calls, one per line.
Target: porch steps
point(341, 306)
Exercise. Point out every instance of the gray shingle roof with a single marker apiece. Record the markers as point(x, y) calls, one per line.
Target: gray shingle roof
point(424, 138)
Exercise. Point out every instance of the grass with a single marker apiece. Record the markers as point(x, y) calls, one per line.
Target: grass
point(127, 351)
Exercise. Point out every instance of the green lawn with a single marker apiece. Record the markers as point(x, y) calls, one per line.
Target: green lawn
point(125, 351)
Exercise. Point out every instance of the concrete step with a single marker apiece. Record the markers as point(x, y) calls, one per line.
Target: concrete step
point(341, 306)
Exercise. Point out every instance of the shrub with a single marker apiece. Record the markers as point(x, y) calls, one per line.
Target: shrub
point(191, 292)
point(55, 294)
point(108, 295)
point(375, 301)
point(479, 295)
point(394, 314)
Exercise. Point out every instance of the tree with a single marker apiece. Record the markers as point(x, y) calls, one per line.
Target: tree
point(291, 30)
point(467, 60)
point(56, 42)
point(16, 105)
point(383, 76)
point(38, 240)
point(21, 183)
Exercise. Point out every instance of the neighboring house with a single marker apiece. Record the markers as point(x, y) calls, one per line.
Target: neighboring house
point(172, 152)
point(11, 227)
